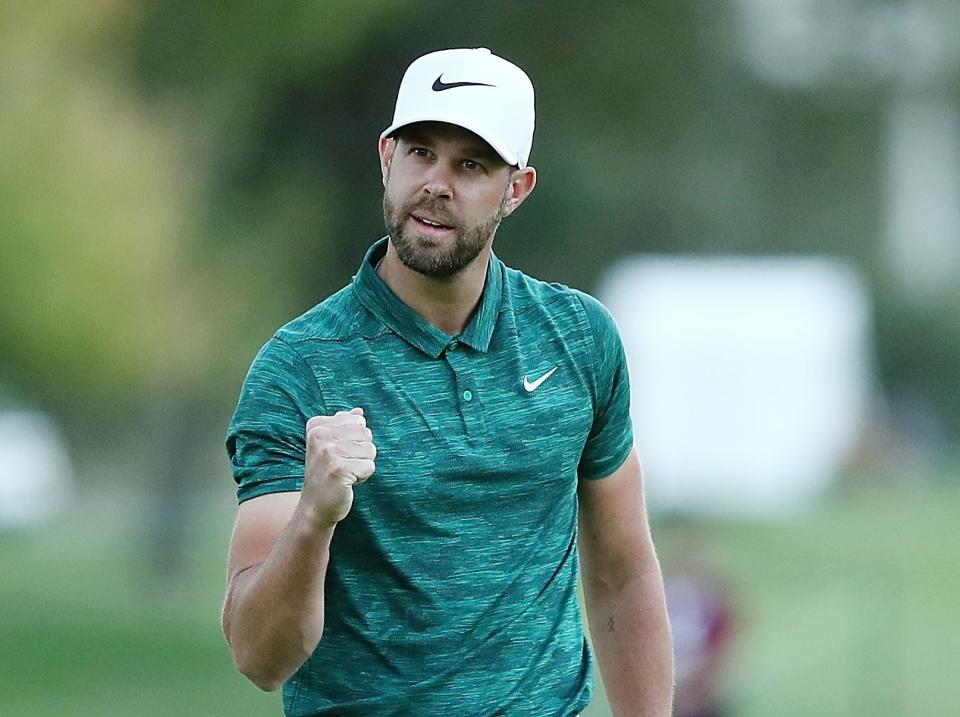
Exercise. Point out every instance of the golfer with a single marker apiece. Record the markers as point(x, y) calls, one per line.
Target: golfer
point(429, 460)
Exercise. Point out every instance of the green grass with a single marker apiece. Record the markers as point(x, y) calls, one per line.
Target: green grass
point(86, 630)
point(852, 609)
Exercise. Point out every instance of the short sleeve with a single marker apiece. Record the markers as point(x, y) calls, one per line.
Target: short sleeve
point(611, 437)
point(266, 437)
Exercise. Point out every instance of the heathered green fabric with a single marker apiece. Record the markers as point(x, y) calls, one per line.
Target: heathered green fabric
point(451, 585)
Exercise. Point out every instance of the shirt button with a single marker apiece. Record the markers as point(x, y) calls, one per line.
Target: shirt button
point(467, 396)
point(452, 346)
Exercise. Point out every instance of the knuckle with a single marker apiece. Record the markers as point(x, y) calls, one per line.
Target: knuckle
point(318, 423)
point(316, 434)
point(319, 445)
point(337, 466)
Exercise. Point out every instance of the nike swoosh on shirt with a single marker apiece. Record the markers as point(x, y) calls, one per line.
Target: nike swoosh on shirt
point(439, 85)
point(532, 386)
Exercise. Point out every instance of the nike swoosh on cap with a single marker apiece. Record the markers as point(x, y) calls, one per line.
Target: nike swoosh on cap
point(439, 85)
point(531, 386)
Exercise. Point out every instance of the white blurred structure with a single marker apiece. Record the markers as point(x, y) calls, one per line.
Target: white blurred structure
point(36, 475)
point(750, 378)
point(923, 192)
point(910, 51)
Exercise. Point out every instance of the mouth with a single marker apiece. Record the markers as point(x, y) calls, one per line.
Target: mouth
point(429, 225)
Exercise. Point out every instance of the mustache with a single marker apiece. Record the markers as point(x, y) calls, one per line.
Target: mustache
point(436, 208)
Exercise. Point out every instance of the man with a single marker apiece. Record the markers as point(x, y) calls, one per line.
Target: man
point(419, 456)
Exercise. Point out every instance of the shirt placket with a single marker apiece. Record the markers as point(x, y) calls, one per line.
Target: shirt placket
point(468, 392)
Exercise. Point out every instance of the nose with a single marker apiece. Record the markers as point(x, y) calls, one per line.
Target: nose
point(437, 183)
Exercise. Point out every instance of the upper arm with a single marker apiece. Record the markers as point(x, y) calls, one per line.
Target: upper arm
point(260, 521)
point(611, 436)
point(266, 441)
point(614, 535)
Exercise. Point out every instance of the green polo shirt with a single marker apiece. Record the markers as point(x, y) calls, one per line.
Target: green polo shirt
point(451, 588)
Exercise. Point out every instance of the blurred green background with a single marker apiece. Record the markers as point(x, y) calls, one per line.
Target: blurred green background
point(178, 179)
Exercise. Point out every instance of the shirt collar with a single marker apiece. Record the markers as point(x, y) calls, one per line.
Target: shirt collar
point(387, 307)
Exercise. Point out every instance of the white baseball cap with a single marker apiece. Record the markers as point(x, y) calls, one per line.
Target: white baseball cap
point(473, 89)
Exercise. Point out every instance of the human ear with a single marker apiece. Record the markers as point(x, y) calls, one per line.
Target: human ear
point(386, 148)
point(522, 182)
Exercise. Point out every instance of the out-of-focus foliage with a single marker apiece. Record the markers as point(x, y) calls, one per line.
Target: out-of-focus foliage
point(180, 178)
point(121, 279)
point(91, 211)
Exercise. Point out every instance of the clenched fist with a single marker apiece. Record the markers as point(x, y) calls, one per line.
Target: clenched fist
point(340, 454)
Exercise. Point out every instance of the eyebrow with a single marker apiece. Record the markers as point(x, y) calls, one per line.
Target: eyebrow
point(484, 151)
point(481, 150)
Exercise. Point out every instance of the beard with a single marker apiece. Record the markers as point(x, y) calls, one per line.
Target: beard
point(437, 260)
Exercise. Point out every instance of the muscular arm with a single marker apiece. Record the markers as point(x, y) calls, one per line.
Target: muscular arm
point(623, 590)
point(280, 549)
point(273, 612)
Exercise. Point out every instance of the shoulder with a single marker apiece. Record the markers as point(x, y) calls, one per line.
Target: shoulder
point(602, 324)
point(330, 332)
point(337, 317)
point(294, 349)
point(526, 293)
point(559, 300)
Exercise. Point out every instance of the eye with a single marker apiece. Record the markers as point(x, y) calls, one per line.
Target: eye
point(472, 165)
point(420, 151)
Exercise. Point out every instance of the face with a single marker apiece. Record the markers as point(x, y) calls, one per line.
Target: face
point(445, 193)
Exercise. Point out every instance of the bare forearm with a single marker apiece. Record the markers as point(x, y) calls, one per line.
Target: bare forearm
point(273, 614)
point(631, 638)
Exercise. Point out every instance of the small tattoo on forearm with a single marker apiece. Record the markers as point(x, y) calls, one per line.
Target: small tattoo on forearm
point(609, 624)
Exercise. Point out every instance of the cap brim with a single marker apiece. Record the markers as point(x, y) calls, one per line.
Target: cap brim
point(505, 154)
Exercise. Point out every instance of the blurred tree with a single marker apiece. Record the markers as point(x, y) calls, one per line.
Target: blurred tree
point(180, 178)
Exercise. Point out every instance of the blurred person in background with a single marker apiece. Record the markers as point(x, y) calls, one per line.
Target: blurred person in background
point(701, 620)
point(421, 456)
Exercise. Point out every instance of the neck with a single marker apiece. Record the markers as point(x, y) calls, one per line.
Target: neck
point(446, 303)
